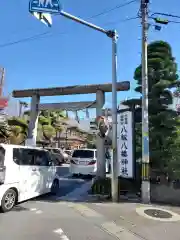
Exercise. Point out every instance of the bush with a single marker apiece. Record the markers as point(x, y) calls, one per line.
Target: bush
point(103, 186)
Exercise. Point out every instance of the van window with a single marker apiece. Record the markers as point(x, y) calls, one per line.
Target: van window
point(16, 155)
point(23, 156)
point(83, 154)
point(41, 158)
point(27, 156)
point(2, 156)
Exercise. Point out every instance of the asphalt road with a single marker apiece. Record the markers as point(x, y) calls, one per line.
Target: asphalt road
point(50, 217)
point(45, 220)
point(69, 185)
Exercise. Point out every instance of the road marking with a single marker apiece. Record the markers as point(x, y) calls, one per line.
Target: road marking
point(85, 211)
point(108, 226)
point(36, 210)
point(39, 212)
point(119, 232)
point(61, 234)
point(112, 227)
point(33, 209)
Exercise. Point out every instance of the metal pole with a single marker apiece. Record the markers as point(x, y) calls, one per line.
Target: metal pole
point(101, 169)
point(79, 20)
point(145, 187)
point(114, 178)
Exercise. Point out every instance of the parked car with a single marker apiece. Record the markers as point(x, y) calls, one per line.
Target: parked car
point(68, 154)
point(25, 172)
point(57, 155)
point(84, 161)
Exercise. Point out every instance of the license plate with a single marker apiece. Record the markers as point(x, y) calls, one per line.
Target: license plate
point(82, 162)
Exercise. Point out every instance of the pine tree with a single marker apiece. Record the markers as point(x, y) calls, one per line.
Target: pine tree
point(163, 122)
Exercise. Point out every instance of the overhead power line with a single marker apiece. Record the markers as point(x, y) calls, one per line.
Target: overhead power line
point(34, 37)
point(163, 21)
point(112, 9)
point(45, 34)
point(165, 14)
point(23, 39)
point(121, 21)
point(49, 34)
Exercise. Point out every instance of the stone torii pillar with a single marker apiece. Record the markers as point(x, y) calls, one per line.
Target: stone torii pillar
point(33, 121)
point(101, 165)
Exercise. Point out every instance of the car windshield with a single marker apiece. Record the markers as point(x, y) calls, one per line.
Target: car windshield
point(83, 154)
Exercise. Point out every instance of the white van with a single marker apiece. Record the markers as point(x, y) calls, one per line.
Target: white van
point(25, 172)
point(84, 161)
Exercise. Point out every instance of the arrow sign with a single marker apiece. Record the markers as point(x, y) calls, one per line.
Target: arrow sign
point(44, 18)
point(45, 6)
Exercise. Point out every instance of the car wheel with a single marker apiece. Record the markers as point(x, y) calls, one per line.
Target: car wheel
point(55, 187)
point(8, 200)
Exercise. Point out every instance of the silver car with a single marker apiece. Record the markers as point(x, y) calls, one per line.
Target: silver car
point(57, 155)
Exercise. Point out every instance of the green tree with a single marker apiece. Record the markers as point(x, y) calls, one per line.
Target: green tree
point(50, 122)
point(18, 129)
point(91, 140)
point(15, 129)
point(5, 131)
point(163, 122)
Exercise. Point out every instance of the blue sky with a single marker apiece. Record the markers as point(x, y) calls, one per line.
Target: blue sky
point(72, 54)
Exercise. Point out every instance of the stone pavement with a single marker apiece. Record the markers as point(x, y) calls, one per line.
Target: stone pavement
point(130, 218)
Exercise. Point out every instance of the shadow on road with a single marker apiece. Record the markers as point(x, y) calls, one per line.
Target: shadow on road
point(19, 208)
point(72, 188)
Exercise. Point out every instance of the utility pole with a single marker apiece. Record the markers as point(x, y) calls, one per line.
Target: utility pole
point(114, 175)
point(2, 70)
point(145, 187)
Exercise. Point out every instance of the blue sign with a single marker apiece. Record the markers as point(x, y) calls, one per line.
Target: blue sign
point(45, 6)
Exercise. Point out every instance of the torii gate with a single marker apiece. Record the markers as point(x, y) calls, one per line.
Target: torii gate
point(98, 89)
point(69, 106)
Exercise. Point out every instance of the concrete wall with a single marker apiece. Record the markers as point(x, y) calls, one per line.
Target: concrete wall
point(165, 193)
